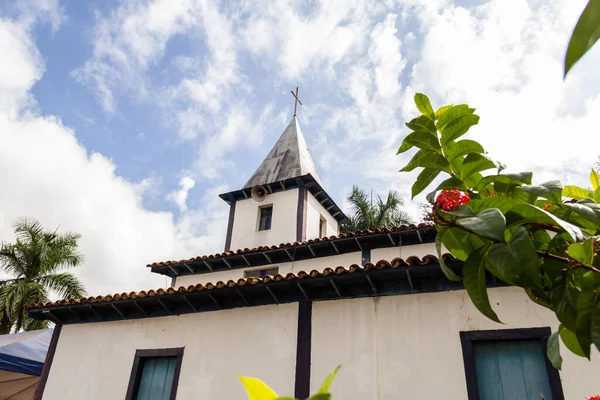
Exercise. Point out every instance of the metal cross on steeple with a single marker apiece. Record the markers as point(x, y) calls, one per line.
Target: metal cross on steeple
point(296, 100)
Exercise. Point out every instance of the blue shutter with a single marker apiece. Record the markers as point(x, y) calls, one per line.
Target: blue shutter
point(511, 369)
point(157, 378)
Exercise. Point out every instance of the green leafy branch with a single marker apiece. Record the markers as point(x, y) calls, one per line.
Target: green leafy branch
point(543, 238)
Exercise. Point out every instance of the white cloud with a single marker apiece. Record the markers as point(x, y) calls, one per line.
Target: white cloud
point(505, 59)
point(47, 174)
point(298, 42)
point(127, 41)
point(180, 196)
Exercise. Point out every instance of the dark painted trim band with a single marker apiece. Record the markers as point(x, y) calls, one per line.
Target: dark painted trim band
point(136, 370)
point(39, 392)
point(230, 226)
point(301, 215)
point(303, 349)
point(468, 337)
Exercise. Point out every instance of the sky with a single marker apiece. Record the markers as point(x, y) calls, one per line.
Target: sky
point(124, 120)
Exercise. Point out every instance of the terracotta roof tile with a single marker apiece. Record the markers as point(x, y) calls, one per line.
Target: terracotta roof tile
point(354, 268)
point(365, 232)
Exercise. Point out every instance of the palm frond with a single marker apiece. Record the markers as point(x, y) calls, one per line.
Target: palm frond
point(65, 285)
point(11, 261)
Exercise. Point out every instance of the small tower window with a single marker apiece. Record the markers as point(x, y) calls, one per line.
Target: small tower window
point(265, 216)
point(322, 227)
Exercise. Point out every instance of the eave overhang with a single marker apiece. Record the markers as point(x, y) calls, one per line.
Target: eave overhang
point(315, 248)
point(381, 279)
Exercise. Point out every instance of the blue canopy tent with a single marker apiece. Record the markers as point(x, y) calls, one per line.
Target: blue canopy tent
point(22, 357)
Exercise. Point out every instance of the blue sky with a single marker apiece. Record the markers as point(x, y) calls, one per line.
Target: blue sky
point(123, 120)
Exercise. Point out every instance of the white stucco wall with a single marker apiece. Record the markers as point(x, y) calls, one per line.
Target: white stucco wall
point(408, 346)
point(245, 233)
point(344, 260)
point(389, 253)
point(93, 361)
point(314, 212)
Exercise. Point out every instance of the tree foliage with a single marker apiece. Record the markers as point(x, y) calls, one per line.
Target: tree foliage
point(543, 237)
point(381, 214)
point(36, 264)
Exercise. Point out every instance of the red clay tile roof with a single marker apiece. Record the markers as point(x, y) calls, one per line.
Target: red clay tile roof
point(382, 264)
point(359, 233)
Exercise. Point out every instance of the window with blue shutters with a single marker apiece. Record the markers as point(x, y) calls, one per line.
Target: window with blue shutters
point(155, 374)
point(509, 364)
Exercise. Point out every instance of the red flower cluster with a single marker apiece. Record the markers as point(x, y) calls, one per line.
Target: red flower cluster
point(449, 199)
point(546, 207)
point(596, 397)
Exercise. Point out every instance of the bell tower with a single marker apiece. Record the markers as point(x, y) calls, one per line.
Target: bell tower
point(283, 201)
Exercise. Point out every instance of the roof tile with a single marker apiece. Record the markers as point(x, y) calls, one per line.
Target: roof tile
point(364, 232)
point(354, 268)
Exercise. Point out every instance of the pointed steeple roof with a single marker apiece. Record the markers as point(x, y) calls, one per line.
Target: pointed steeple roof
point(289, 158)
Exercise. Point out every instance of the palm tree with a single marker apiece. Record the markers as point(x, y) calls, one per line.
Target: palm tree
point(382, 214)
point(35, 263)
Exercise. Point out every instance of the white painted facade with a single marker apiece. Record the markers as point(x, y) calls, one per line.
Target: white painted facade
point(245, 233)
point(320, 263)
point(314, 213)
point(390, 348)
point(94, 361)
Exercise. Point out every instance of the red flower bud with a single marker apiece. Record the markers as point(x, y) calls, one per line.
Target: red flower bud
point(449, 199)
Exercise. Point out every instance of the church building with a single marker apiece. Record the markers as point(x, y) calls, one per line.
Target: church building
point(290, 298)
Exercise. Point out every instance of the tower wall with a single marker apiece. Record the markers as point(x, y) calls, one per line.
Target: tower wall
point(245, 232)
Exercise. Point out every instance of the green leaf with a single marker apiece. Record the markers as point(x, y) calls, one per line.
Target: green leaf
point(583, 323)
point(594, 179)
point(423, 180)
point(257, 389)
point(452, 183)
point(527, 213)
point(285, 398)
point(596, 196)
point(424, 124)
point(435, 161)
point(564, 304)
point(424, 105)
point(423, 140)
point(462, 148)
point(501, 263)
point(500, 202)
point(475, 162)
point(405, 146)
point(328, 381)
point(596, 325)
point(570, 341)
point(414, 161)
point(450, 274)
point(442, 110)
point(452, 114)
point(589, 212)
point(474, 280)
point(541, 239)
point(524, 177)
point(489, 223)
point(502, 184)
point(585, 34)
point(550, 190)
point(460, 211)
point(577, 193)
point(553, 351)
point(321, 396)
point(458, 127)
point(523, 251)
point(583, 252)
